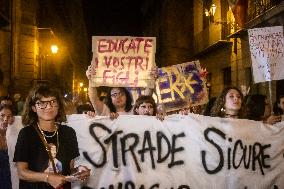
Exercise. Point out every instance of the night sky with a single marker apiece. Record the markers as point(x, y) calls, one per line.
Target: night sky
point(113, 17)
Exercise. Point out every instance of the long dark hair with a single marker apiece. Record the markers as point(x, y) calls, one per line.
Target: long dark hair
point(145, 99)
point(29, 116)
point(129, 100)
point(255, 107)
point(218, 109)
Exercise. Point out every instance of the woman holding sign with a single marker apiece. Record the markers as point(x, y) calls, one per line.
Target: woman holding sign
point(118, 99)
point(45, 149)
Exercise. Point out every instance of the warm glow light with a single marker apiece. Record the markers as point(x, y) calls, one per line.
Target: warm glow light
point(211, 12)
point(213, 9)
point(206, 12)
point(85, 89)
point(54, 49)
point(81, 84)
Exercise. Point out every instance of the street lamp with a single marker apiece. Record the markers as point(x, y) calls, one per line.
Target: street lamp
point(47, 47)
point(54, 49)
point(211, 12)
point(81, 84)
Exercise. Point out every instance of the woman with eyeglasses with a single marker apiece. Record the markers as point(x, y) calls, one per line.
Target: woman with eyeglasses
point(118, 99)
point(45, 149)
point(6, 116)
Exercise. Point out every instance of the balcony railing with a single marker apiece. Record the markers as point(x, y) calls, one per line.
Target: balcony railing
point(211, 36)
point(259, 7)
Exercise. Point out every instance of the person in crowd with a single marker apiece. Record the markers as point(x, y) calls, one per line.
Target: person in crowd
point(258, 109)
point(118, 102)
point(6, 115)
point(255, 107)
point(228, 104)
point(146, 105)
point(278, 107)
point(19, 103)
point(118, 99)
point(6, 100)
point(46, 149)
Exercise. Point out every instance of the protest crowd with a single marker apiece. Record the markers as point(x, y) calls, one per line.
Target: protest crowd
point(46, 148)
point(229, 104)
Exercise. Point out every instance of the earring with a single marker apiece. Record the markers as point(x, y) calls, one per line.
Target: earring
point(222, 109)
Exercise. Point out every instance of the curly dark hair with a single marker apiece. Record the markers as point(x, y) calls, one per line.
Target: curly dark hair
point(129, 100)
point(29, 116)
point(145, 99)
point(216, 110)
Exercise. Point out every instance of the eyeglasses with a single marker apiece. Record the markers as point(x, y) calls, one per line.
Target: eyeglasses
point(43, 104)
point(117, 94)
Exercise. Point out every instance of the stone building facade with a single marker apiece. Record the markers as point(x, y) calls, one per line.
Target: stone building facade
point(25, 56)
point(184, 33)
point(223, 48)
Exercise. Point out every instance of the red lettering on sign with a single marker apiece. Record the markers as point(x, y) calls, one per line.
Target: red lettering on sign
point(106, 76)
point(131, 46)
point(107, 60)
point(139, 40)
point(102, 47)
point(148, 44)
point(124, 45)
point(118, 78)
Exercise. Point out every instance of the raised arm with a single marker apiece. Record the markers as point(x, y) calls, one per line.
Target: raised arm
point(93, 94)
point(154, 74)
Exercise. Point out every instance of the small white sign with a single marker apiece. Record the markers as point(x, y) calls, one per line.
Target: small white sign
point(267, 53)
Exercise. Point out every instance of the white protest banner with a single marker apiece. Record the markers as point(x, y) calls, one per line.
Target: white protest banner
point(182, 152)
point(267, 53)
point(181, 85)
point(123, 61)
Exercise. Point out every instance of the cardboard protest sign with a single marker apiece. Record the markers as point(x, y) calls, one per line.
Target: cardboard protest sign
point(267, 53)
point(191, 151)
point(181, 85)
point(123, 61)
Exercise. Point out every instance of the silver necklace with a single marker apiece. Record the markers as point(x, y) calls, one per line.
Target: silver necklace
point(50, 136)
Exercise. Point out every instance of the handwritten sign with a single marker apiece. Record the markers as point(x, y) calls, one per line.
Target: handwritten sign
point(191, 151)
point(267, 53)
point(123, 61)
point(181, 85)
